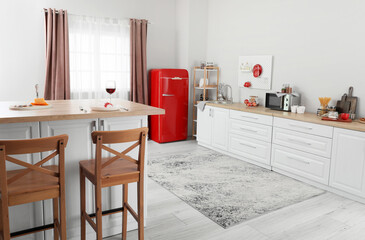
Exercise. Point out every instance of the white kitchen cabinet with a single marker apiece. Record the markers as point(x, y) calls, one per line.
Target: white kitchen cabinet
point(251, 117)
point(250, 150)
point(251, 130)
point(27, 215)
point(299, 163)
point(304, 142)
point(204, 127)
point(213, 127)
point(79, 147)
point(220, 119)
point(348, 161)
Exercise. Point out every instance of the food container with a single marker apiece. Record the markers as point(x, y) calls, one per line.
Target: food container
point(253, 101)
point(294, 108)
point(321, 111)
point(301, 109)
point(333, 114)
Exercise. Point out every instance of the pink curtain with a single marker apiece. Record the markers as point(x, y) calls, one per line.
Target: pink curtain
point(139, 79)
point(57, 84)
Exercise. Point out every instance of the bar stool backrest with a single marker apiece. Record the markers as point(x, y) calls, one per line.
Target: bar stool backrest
point(110, 137)
point(56, 144)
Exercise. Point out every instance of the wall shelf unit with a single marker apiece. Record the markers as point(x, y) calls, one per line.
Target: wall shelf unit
point(208, 73)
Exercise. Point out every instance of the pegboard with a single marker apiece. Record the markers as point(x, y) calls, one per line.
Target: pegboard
point(261, 82)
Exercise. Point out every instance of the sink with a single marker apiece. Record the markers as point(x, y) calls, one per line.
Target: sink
point(222, 102)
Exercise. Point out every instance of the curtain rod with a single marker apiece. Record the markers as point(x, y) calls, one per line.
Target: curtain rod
point(46, 10)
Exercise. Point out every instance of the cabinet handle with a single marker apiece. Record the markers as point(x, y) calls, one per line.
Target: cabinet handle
point(248, 130)
point(210, 112)
point(247, 145)
point(255, 118)
point(176, 78)
point(102, 126)
point(298, 126)
point(167, 95)
point(299, 160)
point(93, 125)
point(298, 141)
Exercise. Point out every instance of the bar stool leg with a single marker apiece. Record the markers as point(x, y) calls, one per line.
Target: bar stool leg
point(125, 211)
point(1, 222)
point(5, 221)
point(82, 205)
point(63, 211)
point(56, 234)
point(99, 225)
point(140, 210)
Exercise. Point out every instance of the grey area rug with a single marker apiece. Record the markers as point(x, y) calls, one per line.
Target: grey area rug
point(226, 190)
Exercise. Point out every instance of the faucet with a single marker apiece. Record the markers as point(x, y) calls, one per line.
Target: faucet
point(229, 99)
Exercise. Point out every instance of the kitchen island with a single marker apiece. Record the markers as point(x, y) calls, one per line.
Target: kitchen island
point(65, 117)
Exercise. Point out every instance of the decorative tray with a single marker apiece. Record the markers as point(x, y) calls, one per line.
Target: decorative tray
point(336, 120)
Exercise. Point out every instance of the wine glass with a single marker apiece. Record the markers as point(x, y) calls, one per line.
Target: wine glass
point(110, 87)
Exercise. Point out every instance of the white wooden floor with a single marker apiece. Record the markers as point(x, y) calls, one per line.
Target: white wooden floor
point(327, 216)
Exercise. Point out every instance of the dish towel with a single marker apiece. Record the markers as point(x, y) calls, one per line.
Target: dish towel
point(201, 105)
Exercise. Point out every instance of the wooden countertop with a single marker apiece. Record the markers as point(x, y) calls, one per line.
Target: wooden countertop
point(70, 109)
point(306, 117)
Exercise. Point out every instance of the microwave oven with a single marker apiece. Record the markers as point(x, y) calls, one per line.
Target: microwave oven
point(281, 101)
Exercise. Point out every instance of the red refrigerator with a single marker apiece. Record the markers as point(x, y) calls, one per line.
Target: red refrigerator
point(170, 91)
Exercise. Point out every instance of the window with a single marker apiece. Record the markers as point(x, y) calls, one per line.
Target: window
point(99, 52)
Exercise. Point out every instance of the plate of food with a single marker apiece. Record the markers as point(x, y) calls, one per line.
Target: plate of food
point(362, 120)
point(107, 107)
point(39, 103)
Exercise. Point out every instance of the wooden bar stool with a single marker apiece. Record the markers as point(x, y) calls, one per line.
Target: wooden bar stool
point(117, 170)
point(35, 183)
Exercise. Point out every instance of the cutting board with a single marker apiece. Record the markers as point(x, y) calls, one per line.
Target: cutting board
point(340, 106)
point(28, 107)
point(352, 100)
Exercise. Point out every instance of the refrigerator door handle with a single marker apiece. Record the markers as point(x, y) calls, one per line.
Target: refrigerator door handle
point(167, 95)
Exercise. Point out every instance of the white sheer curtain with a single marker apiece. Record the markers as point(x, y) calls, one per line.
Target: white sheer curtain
point(99, 52)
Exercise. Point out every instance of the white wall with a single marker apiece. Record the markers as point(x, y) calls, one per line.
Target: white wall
point(191, 39)
point(22, 49)
point(318, 46)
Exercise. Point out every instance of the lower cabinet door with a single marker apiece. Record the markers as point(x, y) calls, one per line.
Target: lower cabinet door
point(27, 215)
point(348, 161)
point(79, 147)
point(204, 125)
point(299, 163)
point(250, 149)
point(219, 130)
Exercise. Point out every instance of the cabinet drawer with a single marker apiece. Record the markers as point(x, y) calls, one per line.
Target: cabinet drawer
point(251, 130)
point(301, 141)
point(302, 164)
point(252, 149)
point(251, 117)
point(305, 127)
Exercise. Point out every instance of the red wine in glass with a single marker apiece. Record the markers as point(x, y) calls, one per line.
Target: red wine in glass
point(110, 90)
point(110, 87)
